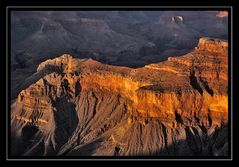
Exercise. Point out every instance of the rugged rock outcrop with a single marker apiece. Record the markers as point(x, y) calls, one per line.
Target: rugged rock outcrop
point(83, 107)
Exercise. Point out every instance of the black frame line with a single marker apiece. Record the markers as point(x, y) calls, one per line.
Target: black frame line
point(123, 8)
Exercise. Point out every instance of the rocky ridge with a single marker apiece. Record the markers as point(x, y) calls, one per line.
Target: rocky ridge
point(83, 107)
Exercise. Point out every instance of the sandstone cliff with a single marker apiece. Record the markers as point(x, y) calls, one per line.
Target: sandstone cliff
point(83, 107)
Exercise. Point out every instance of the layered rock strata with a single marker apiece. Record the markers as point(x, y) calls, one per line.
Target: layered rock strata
point(83, 107)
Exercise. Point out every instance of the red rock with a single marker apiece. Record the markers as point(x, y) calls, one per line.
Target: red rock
point(82, 100)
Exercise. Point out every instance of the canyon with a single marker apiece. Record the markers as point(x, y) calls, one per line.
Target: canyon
point(123, 38)
point(82, 107)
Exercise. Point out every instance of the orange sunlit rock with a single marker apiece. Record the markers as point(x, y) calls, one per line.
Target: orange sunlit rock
point(83, 94)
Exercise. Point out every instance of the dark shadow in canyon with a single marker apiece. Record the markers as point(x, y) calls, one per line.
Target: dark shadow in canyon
point(207, 88)
point(66, 120)
point(213, 143)
point(194, 82)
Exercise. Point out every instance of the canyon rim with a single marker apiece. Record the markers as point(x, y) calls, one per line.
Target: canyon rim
point(119, 83)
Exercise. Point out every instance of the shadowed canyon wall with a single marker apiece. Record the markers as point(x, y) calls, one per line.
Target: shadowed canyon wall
point(83, 107)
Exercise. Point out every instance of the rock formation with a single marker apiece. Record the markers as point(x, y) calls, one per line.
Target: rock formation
point(122, 38)
point(83, 107)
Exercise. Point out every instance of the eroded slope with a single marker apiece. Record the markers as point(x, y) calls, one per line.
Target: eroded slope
point(83, 107)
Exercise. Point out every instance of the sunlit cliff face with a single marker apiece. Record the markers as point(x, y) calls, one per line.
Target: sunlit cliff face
point(91, 99)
